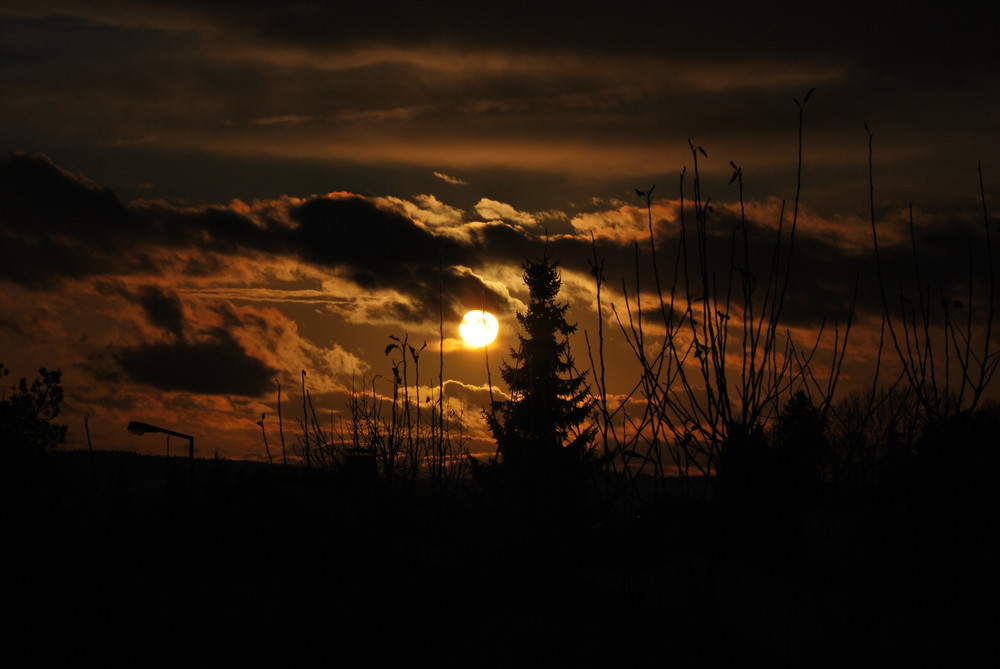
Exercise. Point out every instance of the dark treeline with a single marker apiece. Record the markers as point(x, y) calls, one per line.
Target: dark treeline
point(103, 543)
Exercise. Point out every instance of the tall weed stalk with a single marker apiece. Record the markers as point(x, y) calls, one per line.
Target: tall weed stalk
point(722, 360)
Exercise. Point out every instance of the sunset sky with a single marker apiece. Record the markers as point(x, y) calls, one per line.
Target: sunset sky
point(199, 198)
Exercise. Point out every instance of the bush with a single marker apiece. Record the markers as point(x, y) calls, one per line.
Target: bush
point(27, 415)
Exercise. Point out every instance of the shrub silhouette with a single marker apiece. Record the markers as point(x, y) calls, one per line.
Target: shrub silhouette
point(801, 440)
point(787, 467)
point(27, 415)
point(956, 455)
point(744, 462)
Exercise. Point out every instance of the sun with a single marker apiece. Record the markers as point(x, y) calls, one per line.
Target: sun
point(478, 328)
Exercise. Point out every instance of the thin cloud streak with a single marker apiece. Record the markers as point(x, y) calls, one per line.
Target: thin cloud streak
point(455, 181)
point(257, 294)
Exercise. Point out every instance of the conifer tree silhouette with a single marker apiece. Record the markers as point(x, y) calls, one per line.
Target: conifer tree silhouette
point(539, 430)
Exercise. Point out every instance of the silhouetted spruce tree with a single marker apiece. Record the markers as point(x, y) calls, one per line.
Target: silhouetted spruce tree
point(539, 431)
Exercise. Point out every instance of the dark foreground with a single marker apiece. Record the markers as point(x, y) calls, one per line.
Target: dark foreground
point(115, 550)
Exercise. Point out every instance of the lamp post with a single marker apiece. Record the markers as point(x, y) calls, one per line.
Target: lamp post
point(135, 427)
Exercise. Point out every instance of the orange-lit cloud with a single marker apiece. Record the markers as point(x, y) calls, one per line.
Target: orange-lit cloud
point(491, 210)
point(447, 178)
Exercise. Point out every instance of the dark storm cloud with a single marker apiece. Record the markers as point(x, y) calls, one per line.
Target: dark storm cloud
point(231, 320)
point(45, 213)
point(59, 225)
point(821, 271)
point(56, 225)
point(377, 245)
point(813, 277)
point(163, 308)
point(502, 242)
point(507, 242)
point(217, 365)
point(382, 249)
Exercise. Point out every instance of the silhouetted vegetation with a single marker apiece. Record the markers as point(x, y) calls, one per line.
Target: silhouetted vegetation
point(391, 440)
point(542, 432)
point(729, 505)
point(28, 412)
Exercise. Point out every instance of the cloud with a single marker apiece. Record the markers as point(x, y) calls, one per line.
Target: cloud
point(216, 365)
point(428, 210)
point(45, 212)
point(625, 223)
point(492, 210)
point(353, 233)
point(370, 116)
point(270, 295)
point(58, 226)
point(315, 29)
point(163, 308)
point(455, 181)
point(208, 303)
point(599, 94)
point(388, 258)
point(284, 119)
point(474, 396)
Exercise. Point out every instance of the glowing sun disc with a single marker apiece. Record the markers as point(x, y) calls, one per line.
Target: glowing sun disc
point(478, 328)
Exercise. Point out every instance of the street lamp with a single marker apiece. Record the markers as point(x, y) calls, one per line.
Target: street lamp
point(135, 427)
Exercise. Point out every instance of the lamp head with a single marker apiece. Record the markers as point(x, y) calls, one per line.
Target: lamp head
point(135, 427)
